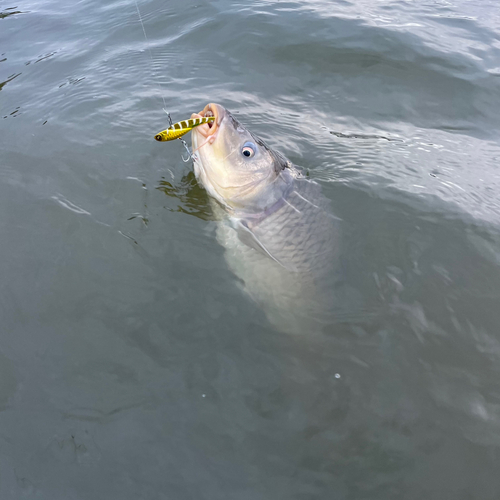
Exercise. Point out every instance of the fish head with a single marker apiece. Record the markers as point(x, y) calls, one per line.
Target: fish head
point(235, 166)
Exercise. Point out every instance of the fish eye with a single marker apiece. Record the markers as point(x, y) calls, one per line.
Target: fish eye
point(248, 149)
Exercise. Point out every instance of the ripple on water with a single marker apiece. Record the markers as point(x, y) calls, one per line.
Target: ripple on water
point(120, 315)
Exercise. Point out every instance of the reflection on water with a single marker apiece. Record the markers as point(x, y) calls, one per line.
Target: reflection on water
point(137, 367)
point(10, 11)
point(194, 199)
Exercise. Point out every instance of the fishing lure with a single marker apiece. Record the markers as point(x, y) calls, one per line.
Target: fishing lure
point(180, 128)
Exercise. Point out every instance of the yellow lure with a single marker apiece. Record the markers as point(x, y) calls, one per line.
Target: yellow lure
point(180, 128)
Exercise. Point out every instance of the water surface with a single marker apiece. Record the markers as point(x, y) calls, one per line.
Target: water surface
point(133, 365)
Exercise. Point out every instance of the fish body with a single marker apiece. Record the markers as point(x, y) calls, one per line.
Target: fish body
point(280, 237)
point(181, 128)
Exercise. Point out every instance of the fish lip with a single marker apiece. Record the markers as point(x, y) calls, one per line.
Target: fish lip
point(218, 112)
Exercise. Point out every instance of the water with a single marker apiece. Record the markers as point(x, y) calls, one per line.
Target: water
point(132, 364)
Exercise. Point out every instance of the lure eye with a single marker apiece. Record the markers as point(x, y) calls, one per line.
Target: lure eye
point(248, 149)
point(158, 137)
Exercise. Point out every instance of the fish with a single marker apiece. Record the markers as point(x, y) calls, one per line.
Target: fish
point(179, 129)
point(280, 237)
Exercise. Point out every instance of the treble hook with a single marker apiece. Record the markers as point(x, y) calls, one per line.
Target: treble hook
point(186, 147)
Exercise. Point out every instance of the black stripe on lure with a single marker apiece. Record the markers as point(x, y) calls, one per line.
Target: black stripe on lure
point(180, 128)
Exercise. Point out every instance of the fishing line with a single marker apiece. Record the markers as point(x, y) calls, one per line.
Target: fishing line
point(160, 89)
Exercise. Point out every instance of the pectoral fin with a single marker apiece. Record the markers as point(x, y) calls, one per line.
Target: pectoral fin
point(249, 238)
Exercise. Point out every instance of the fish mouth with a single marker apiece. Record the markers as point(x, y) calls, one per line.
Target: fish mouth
point(208, 130)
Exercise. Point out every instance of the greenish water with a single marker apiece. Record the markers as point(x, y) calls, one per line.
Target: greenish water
point(132, 363)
